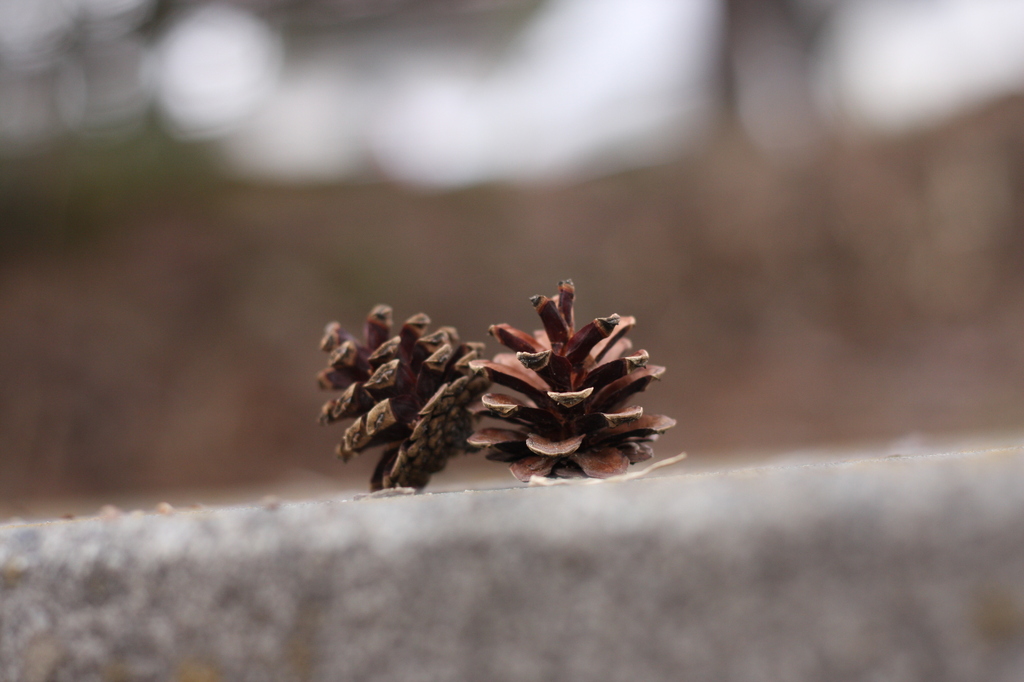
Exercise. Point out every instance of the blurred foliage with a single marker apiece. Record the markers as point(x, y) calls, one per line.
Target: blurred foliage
point(80, 189)
point(869, 290)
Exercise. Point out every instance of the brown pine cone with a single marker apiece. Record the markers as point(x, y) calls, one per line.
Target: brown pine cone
point(572, 422)
point(407, 393)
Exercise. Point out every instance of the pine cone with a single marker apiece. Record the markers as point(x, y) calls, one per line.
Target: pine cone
point(573, 422)
point(408, 393)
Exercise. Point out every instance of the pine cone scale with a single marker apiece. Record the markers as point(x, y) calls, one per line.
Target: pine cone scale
point(594, 421)
point(554, 324)
point(603, 463)
point(534, 465)
point(504, 440)
point(513, 338)
point(584, 340)
point(516, 379)
point(378, 326)
point(619, 391)
point(616, 369)
point(540, 445)
point(605, 346)
point(566, 297)
point(646, 425)
point(517, 411)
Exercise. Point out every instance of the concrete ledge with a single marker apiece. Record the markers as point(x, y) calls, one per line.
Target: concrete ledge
point(894, 569)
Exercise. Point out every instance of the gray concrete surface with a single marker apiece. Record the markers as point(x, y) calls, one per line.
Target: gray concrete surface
point(906, 568)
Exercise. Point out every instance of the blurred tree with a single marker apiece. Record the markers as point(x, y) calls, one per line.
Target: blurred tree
point(765, 68)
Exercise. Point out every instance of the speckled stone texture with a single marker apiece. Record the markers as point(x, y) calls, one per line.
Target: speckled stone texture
point(891, 569)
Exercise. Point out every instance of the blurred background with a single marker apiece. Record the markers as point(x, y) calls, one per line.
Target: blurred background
point(815, 208)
